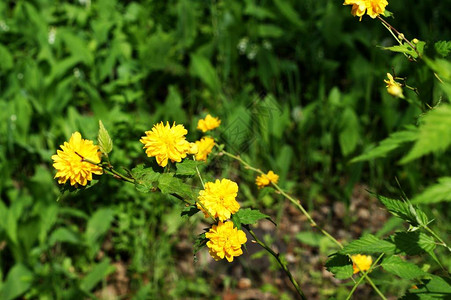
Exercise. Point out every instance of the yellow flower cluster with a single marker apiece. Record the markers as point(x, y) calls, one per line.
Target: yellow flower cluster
point(77, 161)
point(204, 147)
point(373, 8)
point(361, 263)
point(225, 241)
point(218, 199)
point(166, 142)
point(266, 179)
point(208, 123)
point(393, 88)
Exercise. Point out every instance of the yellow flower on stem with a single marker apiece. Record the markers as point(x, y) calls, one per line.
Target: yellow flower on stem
point(225, 241)
point(204, 146)
point(361, 263)
point(218, 199)
point(166, 142)
point(393, 88)
point(373, 8)
point(266, 179)
point(77, 161)
point(208, 123)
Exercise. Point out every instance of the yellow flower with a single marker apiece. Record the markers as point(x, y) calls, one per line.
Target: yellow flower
point(193, 148)
point(204, 146)
point(225, 241)
point(373, 8)
point(208, 123)
point(219, 199)
point(361, 263)
point(265, 179)
point(166, 142)
point(393, 88)
point(70, 163)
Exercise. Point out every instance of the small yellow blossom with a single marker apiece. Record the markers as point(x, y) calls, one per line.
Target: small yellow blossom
point(193, 148)
point(218, 199)
point(393, 88)
point(71, 163)
point(208, 123)
point(373, 8)
point(225, 241)
point(165, 142)
point(204, 146)
point(361, 263)
point(265, 179)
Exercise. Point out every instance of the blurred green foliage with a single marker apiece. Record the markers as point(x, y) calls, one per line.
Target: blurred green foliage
point(298, 86)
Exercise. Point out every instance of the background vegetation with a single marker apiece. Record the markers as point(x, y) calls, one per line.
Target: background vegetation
point(299, 88)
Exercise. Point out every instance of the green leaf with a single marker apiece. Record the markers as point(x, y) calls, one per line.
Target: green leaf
point(104, 140)
point(368, 244)
point(434, 133)
point(6, 59)
point(269, 31)
point(98, 224)
point(404, 210)
point(200, 242)
point(146, 179)
point(202, 68)
point(443, 48)
point(63, 235)
point(168, 184)
point(188, 167)
point(404, 48)
point(401, 268)
point(249, 216)
point(289, 12)
point(393, 142)
point(349, 131)
point(310, 238)
point(98, 272)
point(434, 288)
point(190, 211)
point(413, 242)
point(340, 265)
point(17, 282)
point(436, 193)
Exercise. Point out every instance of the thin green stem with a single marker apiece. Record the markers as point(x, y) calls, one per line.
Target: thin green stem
point(437, 237)
point(292, 200)
point(400, 35)
point(277, 257)
point(365, 276)
point(108, 168)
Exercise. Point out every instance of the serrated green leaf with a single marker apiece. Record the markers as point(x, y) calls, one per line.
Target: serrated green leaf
point(168, 184)
point(401, 268)
point(435, 287)
point(236, 221)
point(434, 133)
point(104, 140)
point(200, 242)
point(188, 167)
point(404, 210)
point(340, 266)
point(436, 193)
point(249, 216)
point(190, 211)
point(404, 48)
point(413, 243)
point(393, 142)
point(146, 179)
point(443, 48)
point(368, 244)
